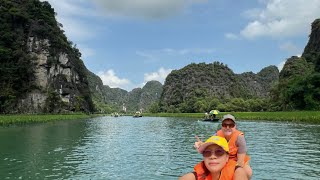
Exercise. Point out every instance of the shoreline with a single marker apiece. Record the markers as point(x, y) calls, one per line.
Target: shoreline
point(295, 116)
point(20, 119)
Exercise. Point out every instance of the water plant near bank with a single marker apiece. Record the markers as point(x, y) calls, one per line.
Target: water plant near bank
point(37, 118)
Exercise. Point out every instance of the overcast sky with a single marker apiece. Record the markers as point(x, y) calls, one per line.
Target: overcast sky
point(128, 43)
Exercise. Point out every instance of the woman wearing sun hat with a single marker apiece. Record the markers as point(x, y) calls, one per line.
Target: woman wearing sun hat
point(236, 142)
point(215, 164)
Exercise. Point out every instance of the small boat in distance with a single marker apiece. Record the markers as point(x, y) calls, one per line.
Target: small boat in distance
point(212, 120)
point(137, 114)
point(211, 116)
point(115, 114)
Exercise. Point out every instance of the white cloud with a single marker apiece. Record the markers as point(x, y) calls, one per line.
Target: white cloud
point(280, 65)
point(281, 18)
point(252, 13)
point(160, 75)
point(290, 48)
point(149, 9)
point(75, 30)
point(109, 78)
point(112, 80)
point(169, 51)
point(73, 8)
point(74, 15)
point(86, 51)
point(232, 36)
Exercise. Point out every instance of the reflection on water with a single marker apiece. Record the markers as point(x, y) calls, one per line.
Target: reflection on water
point(149, 148)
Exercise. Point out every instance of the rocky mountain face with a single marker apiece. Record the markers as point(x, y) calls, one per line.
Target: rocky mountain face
point(215, 80)
point(31, 38)
point(312, 50)
point(59, 75)
point(309, 62)
point(299, 81)
point(151, 93)
point(106, 99)
point(142, 98)
point(109, 100)
point(295, 67)
point(42, 71)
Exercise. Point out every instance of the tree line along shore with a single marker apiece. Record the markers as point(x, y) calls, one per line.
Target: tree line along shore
point(296, 116)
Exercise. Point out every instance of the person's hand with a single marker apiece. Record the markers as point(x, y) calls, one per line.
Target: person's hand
point(198, 143)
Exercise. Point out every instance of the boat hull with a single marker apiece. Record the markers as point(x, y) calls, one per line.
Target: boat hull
point(212, 120)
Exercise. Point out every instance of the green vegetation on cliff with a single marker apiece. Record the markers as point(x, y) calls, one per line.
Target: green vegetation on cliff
point(202, 87)
point(299, 83)
point(23, 22)
point(108, 100)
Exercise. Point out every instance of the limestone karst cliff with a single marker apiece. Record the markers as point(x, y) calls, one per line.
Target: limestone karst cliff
point(41, 71)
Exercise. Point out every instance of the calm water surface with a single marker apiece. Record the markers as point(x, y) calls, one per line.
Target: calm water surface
point(149, 148)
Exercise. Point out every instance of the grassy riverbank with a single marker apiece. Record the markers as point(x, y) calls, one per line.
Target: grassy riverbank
point(296, 116)
point(32, 118)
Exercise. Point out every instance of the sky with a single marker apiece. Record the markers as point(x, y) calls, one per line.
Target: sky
point(130, 42)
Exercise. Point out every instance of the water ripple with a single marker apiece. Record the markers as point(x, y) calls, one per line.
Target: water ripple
point(149, 148)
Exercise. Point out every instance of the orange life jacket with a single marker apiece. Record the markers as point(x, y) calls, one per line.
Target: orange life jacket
point(233, 149)
point(227, 171)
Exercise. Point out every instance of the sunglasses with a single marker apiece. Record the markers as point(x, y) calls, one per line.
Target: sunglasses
point(218, 153)
point(231, 125)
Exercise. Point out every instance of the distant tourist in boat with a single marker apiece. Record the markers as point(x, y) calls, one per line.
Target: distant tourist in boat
point(214, 116)
point(206, 115)
point(215, 164)
point(236, 141)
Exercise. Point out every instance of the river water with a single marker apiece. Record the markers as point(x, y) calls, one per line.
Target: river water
point(149, 148)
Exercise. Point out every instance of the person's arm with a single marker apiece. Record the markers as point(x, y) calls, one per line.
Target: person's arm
point(240, 174)
point(240, 158)
point(242, 150)
point(188, 176)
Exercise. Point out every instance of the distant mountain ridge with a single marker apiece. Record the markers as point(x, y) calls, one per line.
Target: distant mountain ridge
point(108, 99)
point(214, 80)
point(41, 71)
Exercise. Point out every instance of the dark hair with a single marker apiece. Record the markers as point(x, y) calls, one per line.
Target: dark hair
point(206, 171)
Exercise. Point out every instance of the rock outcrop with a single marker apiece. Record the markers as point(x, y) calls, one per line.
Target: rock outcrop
point(108, 99)
point(215, 80)
point(44, 71)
